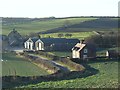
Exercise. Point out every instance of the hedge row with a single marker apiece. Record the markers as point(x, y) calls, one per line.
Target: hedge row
point(73, 65)
point(45, 64)
point(65, 61)
point(31, 79)
point(46, 54)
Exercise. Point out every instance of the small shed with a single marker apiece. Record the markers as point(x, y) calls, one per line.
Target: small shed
point(14, 38)
point(112, 54)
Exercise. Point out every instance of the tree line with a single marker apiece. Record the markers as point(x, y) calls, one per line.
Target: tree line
point(108, 40)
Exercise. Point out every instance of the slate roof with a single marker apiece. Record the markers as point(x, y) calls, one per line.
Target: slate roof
point(80, 46)
point(59, 40)
point(56, 40)
point(39, 41)
point(34, 39)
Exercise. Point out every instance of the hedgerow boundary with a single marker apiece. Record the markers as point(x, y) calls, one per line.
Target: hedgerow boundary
point(50, 67)
point(16, 81)
point(63, 61)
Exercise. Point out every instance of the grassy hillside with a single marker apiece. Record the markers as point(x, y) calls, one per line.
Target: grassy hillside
point(61, 54)
point(38, 25)
point(15, 65)
point(107, 77)
point(30, 25)
point(99, 24)
point(78, 35)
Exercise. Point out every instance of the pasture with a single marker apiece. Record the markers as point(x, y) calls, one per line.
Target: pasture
point(39, 26)
point(107, 77)
point(61, 54)
point(78, 35)
point(15, 65)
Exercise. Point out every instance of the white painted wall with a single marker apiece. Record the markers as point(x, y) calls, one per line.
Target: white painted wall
point(37, 48)
point(75, 54)
point(40, 46)
point(25, 45)
point(28, 45)
point(107, 54)
point(31, 46)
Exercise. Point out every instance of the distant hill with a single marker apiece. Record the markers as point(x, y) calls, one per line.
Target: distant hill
point(53, 25)
point(98, 23)
point(104, 24)
point(12, 21)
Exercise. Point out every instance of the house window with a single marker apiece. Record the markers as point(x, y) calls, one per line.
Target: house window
point(85, 50)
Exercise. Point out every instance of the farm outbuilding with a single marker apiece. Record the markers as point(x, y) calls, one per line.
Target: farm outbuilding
point(83, 51)
point(50, 44)
point(14, 38)
point(112, 54)
point(34, 44)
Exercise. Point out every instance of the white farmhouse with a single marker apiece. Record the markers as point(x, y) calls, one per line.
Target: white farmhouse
point(49, 44)
point(34, 44)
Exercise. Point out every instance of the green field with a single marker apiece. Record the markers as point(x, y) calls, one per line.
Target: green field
point(107, 77)
point(38, 26)
point(78, 35)
point(15, 65)
point(61, 54)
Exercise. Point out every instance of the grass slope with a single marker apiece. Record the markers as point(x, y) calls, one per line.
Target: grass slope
point(14, 64)
point(61, 54)
point(38, 25)
point(107, 77)
point(78, 35)
point(74, 25)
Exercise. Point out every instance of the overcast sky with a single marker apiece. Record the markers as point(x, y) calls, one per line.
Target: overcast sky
point(58, 8)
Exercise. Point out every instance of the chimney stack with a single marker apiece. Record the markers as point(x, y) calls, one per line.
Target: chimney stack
point(82, 41)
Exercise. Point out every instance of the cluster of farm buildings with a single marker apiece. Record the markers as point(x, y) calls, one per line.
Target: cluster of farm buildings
point(80, 49)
